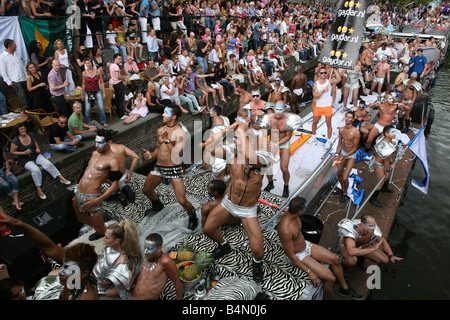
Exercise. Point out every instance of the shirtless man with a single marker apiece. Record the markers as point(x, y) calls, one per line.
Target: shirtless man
point(387, 110)
point(123, 153)
point(411, 90)
point(244, 100)
point(363, 238)
point(281, 126)
point(244, 96)
point(219, 123)
point(246, 170)
point(298, 88)
point(171, 141)
point(398, 82)
point(308, 256)
point(277, 90)
point(155, 271)
point(362, 120)
point(88, 196)
point(216, 191)
point(322, 93)
point(366, 59)
point(381, 71)
point(346, 152)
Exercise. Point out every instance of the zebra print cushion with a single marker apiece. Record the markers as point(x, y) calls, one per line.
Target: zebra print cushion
point(282, 280)
point(233, 288)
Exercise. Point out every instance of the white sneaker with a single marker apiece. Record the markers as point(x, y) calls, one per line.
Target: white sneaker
point(327, 145)
point(200, 109)
point(195, 112)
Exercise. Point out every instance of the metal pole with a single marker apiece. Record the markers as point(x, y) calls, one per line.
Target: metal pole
point(370, 195)
point(325, 200)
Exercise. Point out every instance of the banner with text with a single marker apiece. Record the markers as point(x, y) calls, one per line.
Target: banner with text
point(347, 31)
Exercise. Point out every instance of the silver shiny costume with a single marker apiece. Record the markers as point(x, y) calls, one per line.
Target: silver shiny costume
point(416, 85)
point(120, 275)
point(348, 229)
point(219, 164)
point(385, 148)
point(294, 122)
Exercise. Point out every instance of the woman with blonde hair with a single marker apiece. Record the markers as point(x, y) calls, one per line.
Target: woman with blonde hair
point(66, 69)
point(37, 10)
point(121, 259)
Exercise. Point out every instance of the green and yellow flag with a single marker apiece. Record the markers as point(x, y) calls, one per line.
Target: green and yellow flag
point(44, 31)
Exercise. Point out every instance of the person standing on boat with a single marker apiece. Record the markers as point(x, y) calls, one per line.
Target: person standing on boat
point(281, 125)
point(382, 70)
point(385, 146)
point(298, 89)
point(87, 202)
point(308, 256)
point(362, 238)
point(387, 110)
point(366, 59)
point(322, 93)
point(246, 169)
point(170, 145)
point(418, 63)
point(412, 89)
point(346, 152)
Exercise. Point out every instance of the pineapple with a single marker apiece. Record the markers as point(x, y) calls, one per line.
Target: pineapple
point(186, 253)
point(202, 261)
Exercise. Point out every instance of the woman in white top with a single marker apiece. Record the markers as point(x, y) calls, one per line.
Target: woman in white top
point(62, 56)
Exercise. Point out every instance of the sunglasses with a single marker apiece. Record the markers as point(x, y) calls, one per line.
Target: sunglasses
point(255, 95)
point(65, 122)
point(322, 73)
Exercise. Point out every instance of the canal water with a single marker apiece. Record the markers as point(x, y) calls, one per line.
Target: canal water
point(421, 229)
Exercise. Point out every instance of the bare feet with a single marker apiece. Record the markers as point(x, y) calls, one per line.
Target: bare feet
point(18, 205)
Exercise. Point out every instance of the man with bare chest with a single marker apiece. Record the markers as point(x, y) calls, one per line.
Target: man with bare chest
point(123, 153)
point(362, 120)
point(298, 88)
point(363, 238)
point(398, 82)
point(277, 90)
point(412, 89)
point(246, 170)
point(281, 126)
point(346, 152)
point(156, 270)
point(387, 110)
point(88, 196)
point(308, 256)
point(170, 145)
point(382, 70)
point(366, 59)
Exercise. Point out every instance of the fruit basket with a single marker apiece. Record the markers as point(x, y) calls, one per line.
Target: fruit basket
point(191, 265)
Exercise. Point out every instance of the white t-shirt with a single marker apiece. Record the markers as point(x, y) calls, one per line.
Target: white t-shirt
point(163, 90)
point(183, 61)
point(111, 37)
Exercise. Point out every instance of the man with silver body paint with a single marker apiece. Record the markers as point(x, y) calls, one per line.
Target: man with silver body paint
point(281, 125)
point(362, 238)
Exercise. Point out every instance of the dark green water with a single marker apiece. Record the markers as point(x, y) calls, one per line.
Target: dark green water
point(421, 230)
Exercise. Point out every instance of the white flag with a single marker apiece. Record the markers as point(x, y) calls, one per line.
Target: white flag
point(418, 147)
